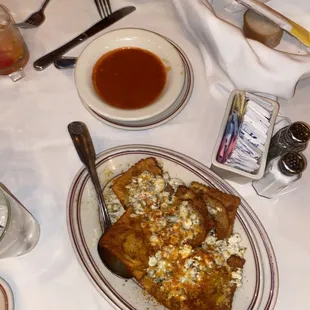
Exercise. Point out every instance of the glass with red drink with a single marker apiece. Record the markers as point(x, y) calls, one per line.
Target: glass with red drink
point(14, 53)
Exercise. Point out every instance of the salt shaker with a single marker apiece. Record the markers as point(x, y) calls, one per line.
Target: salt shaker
point(292, 138)
point(280, 173)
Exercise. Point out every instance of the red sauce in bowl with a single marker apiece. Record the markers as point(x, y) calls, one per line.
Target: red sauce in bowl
point(129, 78)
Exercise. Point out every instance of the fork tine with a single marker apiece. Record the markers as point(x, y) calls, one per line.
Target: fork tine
point(103, 7)
point(99, 8)
point(109, 5)
point(104, 4)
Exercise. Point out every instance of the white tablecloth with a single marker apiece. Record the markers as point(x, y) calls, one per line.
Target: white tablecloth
point(38, 160)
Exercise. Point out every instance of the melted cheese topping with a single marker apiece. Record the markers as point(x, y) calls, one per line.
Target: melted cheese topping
point(170, 225)
point(223, 249)
point(113, 204)
point(167, 220)
point(177, 268)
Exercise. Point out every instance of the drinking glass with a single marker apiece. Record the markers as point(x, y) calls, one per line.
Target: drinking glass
point(14, 53)
point(19, 231)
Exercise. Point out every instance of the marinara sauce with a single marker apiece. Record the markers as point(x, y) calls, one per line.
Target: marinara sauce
point(129, 78)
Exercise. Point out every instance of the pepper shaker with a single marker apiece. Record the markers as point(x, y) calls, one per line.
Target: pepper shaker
point(280, 173)
point(292, 138)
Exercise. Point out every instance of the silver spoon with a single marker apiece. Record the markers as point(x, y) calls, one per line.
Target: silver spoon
point(35, 19)
point(84, 146)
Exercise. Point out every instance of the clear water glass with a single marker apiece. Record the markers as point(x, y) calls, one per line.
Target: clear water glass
point(19, 231)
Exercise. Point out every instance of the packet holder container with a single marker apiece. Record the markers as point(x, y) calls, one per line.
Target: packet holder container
point(228, 172)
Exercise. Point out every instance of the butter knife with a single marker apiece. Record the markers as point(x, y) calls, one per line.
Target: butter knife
point(48, 59)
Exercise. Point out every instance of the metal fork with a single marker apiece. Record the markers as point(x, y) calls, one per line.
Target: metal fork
point(35, 19)
point(103, 7)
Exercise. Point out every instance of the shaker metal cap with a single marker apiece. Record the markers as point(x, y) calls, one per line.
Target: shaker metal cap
point(292, 163)
point(299, 132)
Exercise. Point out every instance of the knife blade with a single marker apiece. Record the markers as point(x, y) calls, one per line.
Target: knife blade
point(49, 58)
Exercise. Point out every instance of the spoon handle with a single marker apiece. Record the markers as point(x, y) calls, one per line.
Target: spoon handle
point(45, 3)
point(84, 146)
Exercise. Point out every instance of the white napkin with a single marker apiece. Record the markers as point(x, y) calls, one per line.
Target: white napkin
point(232, 61)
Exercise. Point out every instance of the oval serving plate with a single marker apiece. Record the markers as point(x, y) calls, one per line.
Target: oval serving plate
point(123, 38)
point(6, 296)
point(167, 114)
point(260, 281)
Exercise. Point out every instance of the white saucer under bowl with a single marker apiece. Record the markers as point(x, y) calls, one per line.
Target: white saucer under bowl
point(129, 37)
point(167, 114)
point(6, 296)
